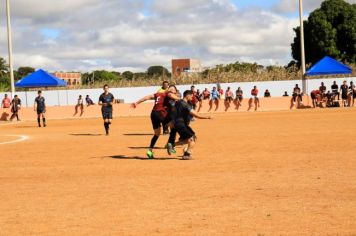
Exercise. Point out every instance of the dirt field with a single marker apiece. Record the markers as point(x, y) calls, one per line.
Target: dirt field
point(273, 173)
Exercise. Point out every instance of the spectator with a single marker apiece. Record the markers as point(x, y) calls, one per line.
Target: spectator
point(315, 96)
point(322, 89)
point(15, 107)
point(215, 97)
point(254, 98)
point(296, 97)
point(80, 104)
point(165, 85)
point(285, 94)
point(344, 93)
point(239, 98)
point(335, 90)
point(267, 94)
point(206, 94)
point(329, 99)
point(229, 98)
point(89, 101)
point(6, 102)
point(352, 93)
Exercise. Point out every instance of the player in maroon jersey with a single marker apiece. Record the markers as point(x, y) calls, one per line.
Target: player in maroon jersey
point(159, 114)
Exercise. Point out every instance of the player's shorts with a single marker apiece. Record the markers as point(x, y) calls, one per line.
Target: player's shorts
point(344, 96)
point(157, 119)
point(215, 99)
point(184, 131)
point(107, 114)
point(229, 99)
point(254, 97)
point(41, 111)
point(312, 95)
point(240, 98)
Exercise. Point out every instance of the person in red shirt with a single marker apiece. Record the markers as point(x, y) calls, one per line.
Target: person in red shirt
point(315, 96)
point(206, 94)
point(254, 98)
point(229, 97)
point(159, 114)
point(6, 102)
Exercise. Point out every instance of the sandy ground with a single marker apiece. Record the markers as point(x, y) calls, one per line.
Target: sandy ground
point(273, 173)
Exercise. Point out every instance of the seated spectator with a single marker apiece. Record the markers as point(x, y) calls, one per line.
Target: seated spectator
point(89, 101)
point(6, 102)
point(206, 94)
point(267, 94)
point(316, 97)
point(285, 94)
point(322, 89)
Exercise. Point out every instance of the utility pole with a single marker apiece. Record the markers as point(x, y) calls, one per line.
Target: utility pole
point(302, 48)
point(9, 41)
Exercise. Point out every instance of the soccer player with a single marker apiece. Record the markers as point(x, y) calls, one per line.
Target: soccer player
point(335, 90)
point(239, 98)
point(15, 107)
point(159, 114)
point(106, 100)
point(215, 98)
point(181, 123)
point(40, 108)
point(229, 97)
point(315, 96)
point(254, 98)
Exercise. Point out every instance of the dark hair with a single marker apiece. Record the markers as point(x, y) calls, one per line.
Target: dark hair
point(164, 82)
point(173, 86)
point(15, 96)
point(39, 91)
point(106, 85)
point(187, 93)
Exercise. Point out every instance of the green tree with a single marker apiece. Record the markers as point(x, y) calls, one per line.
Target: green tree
point(128, 75)
point(157, 70)
point(23, 72)
point(329, 30)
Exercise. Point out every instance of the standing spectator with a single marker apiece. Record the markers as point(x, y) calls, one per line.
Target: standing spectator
point(89, 101)
point(165, 85)
point(229, 97)
point(200, 99)
point(215, 97)
point(239, 98)
point(285, 94)
point(297, 97)
point(15, 107)
point(221, 91)
point(267, 94)
point(80, 104)
point(6, 102)
point(352, 94)
point(206, 94)
point(254, 98)
point(344, 96)
point(335, 90)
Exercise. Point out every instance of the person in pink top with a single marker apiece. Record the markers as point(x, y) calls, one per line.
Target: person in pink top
point(6, 102)
point(229, 98)
point(254, 98)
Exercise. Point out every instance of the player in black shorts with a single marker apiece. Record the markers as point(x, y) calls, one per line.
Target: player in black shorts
point(159, 115)
point(181, 121)
point(106, 100)
point(40, 108)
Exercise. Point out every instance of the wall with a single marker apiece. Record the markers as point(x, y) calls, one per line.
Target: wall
point(129, 95)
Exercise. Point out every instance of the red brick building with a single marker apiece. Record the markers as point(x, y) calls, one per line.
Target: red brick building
point(185, 65)
point(72, 79)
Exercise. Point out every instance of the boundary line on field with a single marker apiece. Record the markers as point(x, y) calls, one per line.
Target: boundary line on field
point(21, 138)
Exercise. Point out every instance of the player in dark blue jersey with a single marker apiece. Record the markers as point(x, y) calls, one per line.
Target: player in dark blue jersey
point(106, 100)
point(181, 120)
point(40, 108)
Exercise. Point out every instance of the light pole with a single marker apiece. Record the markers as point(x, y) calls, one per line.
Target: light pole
point(302, 48)
point(9, 41)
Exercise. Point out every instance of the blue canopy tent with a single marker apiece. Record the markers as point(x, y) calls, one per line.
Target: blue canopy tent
point(329, 66)
point(40, 79)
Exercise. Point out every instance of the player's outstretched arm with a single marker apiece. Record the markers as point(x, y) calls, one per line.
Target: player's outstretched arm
point(149, 97)
point(198, 116)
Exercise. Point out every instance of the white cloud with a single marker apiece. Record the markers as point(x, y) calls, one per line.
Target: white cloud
point(126, 34)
